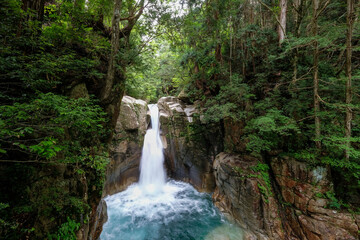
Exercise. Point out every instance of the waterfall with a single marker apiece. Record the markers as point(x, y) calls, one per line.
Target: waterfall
point(152, 172)
point(155, 209)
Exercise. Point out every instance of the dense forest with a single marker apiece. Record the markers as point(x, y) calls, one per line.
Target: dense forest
point(287, 70)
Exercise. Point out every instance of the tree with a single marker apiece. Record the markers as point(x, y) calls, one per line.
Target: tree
point(115, 38)
point(282, 21)
point(316, 74)
point(113, 87)
point(34, 5)
point(350, 26)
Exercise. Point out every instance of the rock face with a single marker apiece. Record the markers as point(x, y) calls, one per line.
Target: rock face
point(123, 168)
point(190, 146)
point(126, 153)
point(251, 193)
point(98, 220)
point(304, 193)
point(245, 194)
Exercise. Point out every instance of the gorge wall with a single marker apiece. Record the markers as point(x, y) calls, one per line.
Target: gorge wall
point(270, 197)
point(125, 154)
point(190, 145)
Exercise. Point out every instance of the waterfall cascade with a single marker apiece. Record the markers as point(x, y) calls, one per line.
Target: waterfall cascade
point(154, 209)
point(152, 172)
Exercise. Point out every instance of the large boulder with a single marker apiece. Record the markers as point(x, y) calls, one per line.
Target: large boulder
point(305, 193)
point(132, 115)
point(243, 191)
point(287, 200)
point(131, 126)
point(190, 145)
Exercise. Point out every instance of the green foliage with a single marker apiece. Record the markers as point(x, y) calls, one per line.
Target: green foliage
point(158, 73)
point(55, 130)
point(224, 53)
point(3, 223)
point(52, 147)
point(66, 231)
point(52, 126)
point(268, 131)
point(237, 69)
point(263, 169)
point(230, 102)
point(334, 202)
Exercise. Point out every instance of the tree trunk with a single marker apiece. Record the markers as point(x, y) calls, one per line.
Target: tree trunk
point(113, 88)
point(350, 25)
point(115, 37)
point(316, 75)
point(282, 21)
point(37, 6)
point(299, 6)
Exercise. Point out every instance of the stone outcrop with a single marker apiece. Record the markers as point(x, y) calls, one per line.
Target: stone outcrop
point(79, 91)
point(98, 220)
point(286, 201)
point(190, 146)
point(307, 208)
point(244, 193)
point(126, 153)
point(123, 168)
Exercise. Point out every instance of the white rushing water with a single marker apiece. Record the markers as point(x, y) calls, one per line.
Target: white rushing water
point(154, 209)
point(152, 172)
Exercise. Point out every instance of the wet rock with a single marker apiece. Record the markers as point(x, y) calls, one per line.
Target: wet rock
point(98, 221)
point(190, 146)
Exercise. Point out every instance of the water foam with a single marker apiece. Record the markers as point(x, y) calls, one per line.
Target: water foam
point(179, 212)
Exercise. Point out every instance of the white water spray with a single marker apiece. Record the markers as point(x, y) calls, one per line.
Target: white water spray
point(152, 172)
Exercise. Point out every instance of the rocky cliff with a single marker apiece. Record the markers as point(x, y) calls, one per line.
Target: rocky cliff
point(127, 145)
point(190, 145)
point(279, 198)
point(286, 201)
point(272, 198)
point(123, 168)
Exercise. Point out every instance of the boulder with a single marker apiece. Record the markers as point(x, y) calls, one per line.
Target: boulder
point(245, 195)
point(79, 91)
point(253, 198)
point(183, 96)
point(303, 190)
point(132, 115)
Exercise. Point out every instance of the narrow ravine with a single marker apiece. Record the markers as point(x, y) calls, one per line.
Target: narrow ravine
point(156, 208)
